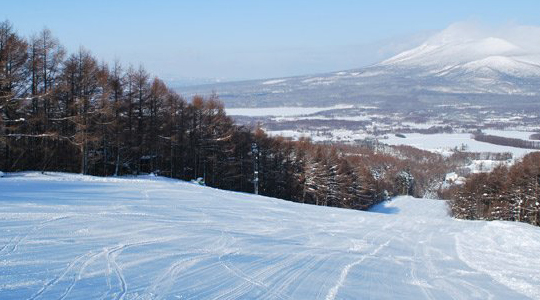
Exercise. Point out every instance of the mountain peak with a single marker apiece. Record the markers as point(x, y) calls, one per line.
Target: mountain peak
point(453, 52)
point(463, 43)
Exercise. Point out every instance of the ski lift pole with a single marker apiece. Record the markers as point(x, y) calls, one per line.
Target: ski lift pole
point(255, 152)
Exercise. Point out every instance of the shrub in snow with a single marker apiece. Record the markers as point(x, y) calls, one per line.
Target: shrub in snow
point(1, 174)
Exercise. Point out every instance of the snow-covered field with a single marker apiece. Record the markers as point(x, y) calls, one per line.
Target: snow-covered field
point(336, 135)
point(78, 237)
point(444, 142)
point(514, 134)
point(283, 111)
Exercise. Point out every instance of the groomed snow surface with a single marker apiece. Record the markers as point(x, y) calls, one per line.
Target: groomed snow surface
point(79, 237)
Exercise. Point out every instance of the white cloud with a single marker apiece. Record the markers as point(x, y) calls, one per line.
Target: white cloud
point(525, 37)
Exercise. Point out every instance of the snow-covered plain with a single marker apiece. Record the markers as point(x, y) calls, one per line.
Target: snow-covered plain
point(79, 237)
point(445, 142)
point(513, 134)
point(336, 135)
point(282, 111)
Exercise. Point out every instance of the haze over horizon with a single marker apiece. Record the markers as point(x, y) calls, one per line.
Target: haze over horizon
point(177, 40)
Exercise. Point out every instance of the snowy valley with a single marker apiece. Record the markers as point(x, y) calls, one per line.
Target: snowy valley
point(78, 237)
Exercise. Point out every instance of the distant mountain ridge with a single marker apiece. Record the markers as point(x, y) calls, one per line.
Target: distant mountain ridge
point(457, 64)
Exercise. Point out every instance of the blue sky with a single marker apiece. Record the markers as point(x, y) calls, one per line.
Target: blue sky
point(240, 39)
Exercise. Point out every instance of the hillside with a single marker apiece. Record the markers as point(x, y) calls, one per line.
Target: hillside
point(80, 237)
point(452, 65)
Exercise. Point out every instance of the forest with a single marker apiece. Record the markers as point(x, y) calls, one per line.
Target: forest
point(505, 141)
point(506, 193)
point(72, 113)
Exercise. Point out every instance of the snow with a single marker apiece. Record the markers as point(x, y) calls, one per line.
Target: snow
point(363, 117)
point(335, 135)
point(514, 134)
point(485, 165)
point(79, 237)
point(503, 268)
point(456, 45)
point(451, 177)
point(476, 60)
point(506, 65)
point(274, 81)
point(281, 111)
point(445, 142)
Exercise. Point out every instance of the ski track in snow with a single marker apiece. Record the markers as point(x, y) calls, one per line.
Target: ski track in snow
point(345, 271)
point(66, 236)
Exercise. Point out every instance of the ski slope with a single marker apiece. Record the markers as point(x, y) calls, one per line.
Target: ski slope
point(79, 237)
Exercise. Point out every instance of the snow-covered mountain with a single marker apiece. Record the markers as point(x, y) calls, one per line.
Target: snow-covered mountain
point(457, 63)
point(67, 236)
point(473, 64)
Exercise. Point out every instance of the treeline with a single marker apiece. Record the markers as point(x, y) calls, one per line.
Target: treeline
point(505, 141)
point(506, 193)
point(467, 157)
point(72, 113)
point(498, 156)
